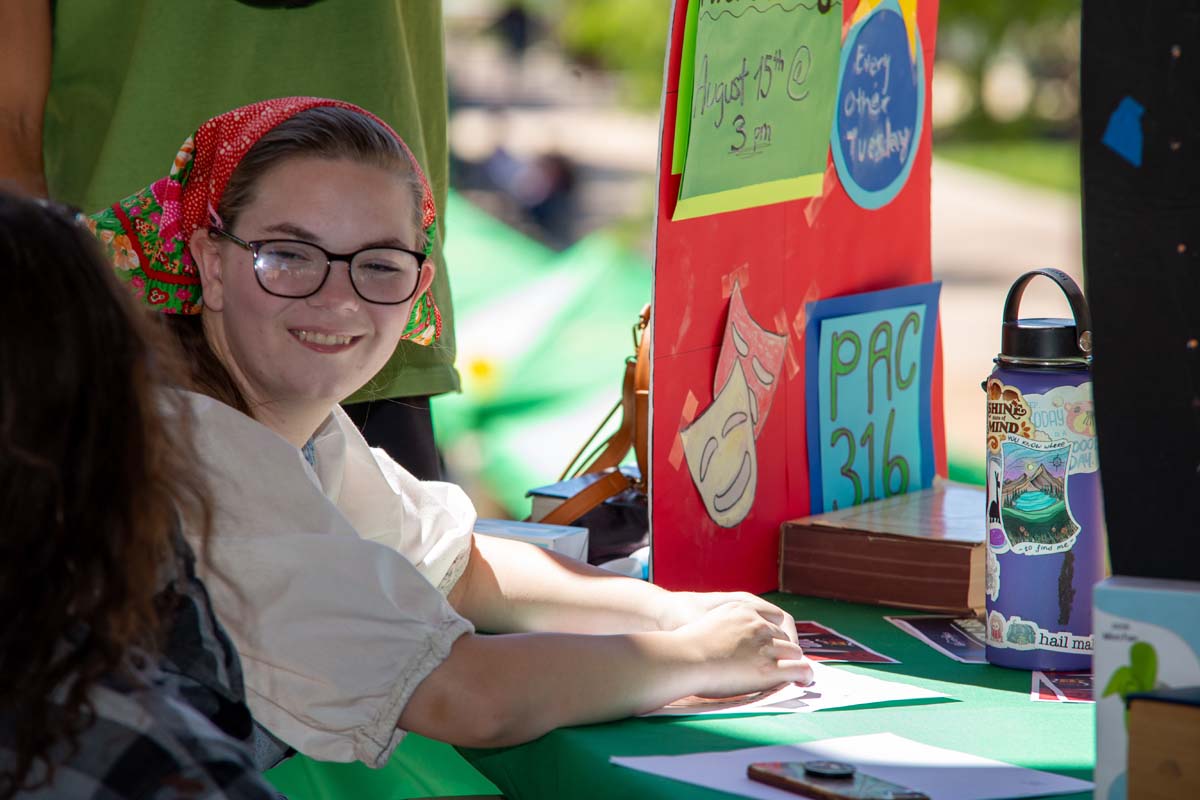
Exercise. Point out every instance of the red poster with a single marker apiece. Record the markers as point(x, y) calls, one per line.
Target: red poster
point(777, 257)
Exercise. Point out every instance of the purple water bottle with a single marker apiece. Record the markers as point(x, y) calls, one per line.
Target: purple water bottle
point(1044, 517)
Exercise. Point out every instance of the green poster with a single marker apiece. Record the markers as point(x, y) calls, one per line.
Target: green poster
point(764, 87)
point(683, 108)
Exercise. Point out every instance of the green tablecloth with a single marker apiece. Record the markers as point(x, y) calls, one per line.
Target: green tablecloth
point(988, 713)
point(420, 767)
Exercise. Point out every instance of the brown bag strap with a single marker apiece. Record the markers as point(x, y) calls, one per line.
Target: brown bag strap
point(633, 432)
point(619, 443)
point(641, 397)
point(580, 503)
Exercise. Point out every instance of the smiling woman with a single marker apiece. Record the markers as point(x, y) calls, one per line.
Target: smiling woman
point(290, 247)
point(306, 148)
point(264, 296)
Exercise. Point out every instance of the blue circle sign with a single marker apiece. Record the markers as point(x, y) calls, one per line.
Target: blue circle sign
point(880, 107)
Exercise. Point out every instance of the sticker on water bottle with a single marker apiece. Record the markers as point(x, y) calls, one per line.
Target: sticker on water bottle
point(992, 582)
point(1066, 413)
point(1007, 412)
point(1022, 634)
point(1034, 442)
point(1035, 511)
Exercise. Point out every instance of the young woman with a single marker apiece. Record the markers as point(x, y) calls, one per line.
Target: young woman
point(93, 474)
point(305, 225)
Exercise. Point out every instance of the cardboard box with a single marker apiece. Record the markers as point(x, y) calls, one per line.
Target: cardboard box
point(1147, 635)
point(566, 539)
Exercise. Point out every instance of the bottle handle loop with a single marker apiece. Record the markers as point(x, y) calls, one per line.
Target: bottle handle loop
point(1075, 298)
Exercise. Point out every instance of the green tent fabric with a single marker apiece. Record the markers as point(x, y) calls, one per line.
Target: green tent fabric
point(494, 259)
point(492, 254)
point(541, 350)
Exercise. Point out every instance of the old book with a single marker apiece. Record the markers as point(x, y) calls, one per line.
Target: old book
point(922, 550)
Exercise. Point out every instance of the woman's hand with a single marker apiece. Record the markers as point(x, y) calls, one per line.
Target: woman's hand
point(677, 609)
point(736, 649)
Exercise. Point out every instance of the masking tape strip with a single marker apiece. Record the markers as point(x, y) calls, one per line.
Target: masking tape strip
point(690, 404)
point(738, 277)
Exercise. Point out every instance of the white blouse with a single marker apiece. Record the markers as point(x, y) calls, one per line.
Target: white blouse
point(328, 580)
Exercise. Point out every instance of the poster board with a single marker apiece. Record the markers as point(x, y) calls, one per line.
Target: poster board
point(867, 376)
point(775, 256)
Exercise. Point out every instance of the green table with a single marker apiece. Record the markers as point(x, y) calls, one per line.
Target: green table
point(988, 713)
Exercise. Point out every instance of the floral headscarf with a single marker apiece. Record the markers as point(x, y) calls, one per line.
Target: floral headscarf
point(146, 235)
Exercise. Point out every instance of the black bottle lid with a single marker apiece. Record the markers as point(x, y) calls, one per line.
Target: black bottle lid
point(1046, 341)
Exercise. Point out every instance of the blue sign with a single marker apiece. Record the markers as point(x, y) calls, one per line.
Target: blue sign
point(869, 377)
point(881, 107)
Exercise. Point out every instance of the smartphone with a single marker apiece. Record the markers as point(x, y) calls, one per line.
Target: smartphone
point(852, 785)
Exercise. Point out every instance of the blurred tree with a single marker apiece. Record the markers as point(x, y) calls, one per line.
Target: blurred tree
point(1043, 35)
point(993, 20)
point(626, 36)
point(629, 36)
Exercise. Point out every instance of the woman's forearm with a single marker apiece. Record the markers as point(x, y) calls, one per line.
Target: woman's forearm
point(515, 587)
point(496, 691)
point(502, 690)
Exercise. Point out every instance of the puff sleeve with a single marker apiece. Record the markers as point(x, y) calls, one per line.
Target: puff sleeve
point(428, 522)
point(335, 631)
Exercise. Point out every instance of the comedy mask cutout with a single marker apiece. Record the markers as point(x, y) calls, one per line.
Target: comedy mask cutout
point(759, 352)
point(719, 446)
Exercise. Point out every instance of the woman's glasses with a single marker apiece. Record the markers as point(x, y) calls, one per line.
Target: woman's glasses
point(293, 268)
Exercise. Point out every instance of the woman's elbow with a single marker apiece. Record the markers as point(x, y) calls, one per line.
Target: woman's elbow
point(467, 703)
point(471, 717)
point(498, 724)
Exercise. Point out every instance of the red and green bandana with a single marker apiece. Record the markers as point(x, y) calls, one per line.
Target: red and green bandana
point(146, 235)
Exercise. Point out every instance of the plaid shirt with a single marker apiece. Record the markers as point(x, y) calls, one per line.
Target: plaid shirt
point(146, 743)
point(178, 729)
point(200, 654)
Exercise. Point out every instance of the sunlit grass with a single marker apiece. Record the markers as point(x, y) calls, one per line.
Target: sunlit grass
point(1044, 163)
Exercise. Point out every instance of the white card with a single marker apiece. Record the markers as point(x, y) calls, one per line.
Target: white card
point(831, 688)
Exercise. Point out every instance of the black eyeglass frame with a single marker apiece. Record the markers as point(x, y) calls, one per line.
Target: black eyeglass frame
point(254, 246)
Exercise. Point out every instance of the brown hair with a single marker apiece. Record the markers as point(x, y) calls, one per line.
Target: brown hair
point(325, 132)
point(95, 470)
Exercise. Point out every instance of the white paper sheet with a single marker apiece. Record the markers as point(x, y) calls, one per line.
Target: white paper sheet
point(831, 688)
point(942, 774)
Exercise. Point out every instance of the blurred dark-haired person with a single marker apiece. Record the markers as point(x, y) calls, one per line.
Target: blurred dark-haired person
point(95, 484)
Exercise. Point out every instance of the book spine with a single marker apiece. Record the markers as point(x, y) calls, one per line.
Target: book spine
point(884, 570)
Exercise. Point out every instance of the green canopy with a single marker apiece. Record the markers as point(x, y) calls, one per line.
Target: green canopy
point(542, 340)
